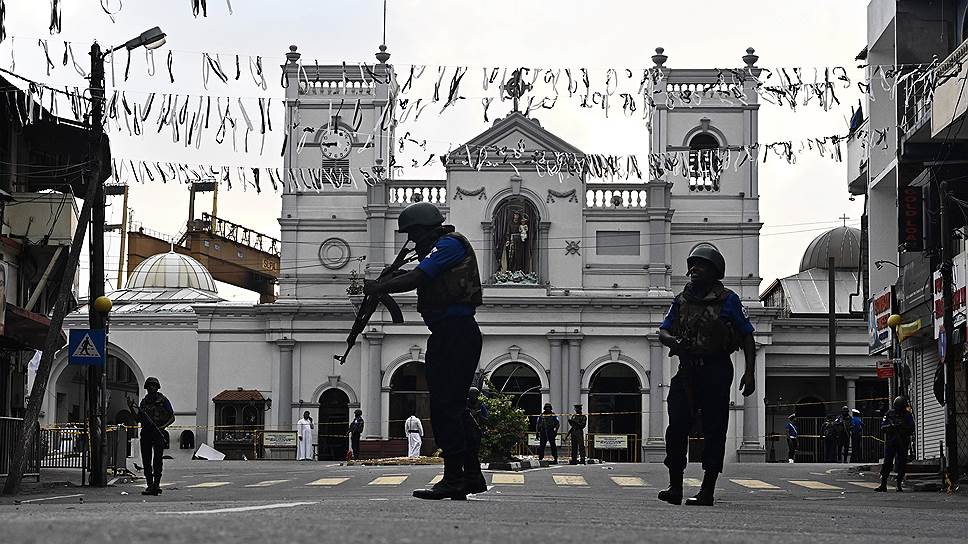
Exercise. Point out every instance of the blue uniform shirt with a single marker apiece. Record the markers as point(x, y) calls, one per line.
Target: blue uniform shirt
point(791, 430)
point(447, 253)
point(857, 425)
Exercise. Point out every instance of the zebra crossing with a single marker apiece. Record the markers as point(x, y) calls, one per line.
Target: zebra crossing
point(511, 480)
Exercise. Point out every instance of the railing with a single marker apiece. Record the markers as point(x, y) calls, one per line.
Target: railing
point(9, 440)
point(813, 448)
point(616, 195)
point(238, 234)
point(917, 91)
point(403, 192)
point(67, 447)
point(336, 87)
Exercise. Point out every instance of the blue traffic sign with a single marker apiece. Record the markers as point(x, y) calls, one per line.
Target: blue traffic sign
point(86, 347)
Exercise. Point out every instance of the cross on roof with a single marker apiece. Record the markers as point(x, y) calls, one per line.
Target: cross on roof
point(844, 218)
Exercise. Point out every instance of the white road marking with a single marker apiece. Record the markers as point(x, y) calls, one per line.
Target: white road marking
point(208, 484)
point(500, 478)
point(328, 481)
point(810, 484)
point(242, 508)
point(389, 480)
point(691, 482)
point(569, 479)
point(628, 481)
point(868, 485)
point(51, 498)
point(754, 484)
point(267, 483)
point(436, 479)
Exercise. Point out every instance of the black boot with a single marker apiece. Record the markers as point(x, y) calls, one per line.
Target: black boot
point(158, 485)
point(883, 487)
point(150, 488)
point(706, 491)
point(673, 494)
point(474, 481)
point(900, 480)
point(451, 486)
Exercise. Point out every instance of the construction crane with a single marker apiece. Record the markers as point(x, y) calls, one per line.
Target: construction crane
point(232, 253)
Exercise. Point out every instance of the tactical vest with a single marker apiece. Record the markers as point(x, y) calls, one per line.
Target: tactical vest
point(458, 285)
point(156, 409)
point(700, 324)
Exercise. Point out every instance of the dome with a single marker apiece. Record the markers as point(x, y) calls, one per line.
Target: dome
point(841, 243)
point(171, 271)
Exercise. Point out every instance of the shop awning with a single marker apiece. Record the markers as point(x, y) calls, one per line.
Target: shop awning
point(25, 330)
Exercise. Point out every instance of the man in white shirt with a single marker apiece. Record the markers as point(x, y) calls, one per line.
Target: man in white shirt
point(414, 430)
point(304, 448)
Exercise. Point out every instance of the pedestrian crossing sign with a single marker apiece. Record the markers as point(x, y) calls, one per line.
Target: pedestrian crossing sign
point(86, 347)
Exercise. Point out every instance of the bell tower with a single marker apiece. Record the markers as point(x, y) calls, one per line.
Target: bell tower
point(704, 146)
point(337, 154)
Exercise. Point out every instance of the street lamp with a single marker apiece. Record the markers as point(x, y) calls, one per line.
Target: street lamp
point(149, 39)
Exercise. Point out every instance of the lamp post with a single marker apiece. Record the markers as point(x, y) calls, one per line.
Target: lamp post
point(150, 39)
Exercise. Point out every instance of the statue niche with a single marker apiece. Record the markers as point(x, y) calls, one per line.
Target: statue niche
point(515, 241)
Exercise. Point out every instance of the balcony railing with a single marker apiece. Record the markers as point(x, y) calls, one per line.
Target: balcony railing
point(615, 195)
point(404, 192)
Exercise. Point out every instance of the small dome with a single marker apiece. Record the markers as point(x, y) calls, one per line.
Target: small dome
point(171, 270)
point(841, 243)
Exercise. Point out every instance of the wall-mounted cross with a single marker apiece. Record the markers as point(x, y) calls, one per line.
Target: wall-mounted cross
point(844, 218)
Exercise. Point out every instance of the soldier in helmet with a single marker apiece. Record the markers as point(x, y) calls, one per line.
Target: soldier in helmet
point(547, 427)
point(576, 431)
point(706, 323)
point(154, 415)
point(449, 290)
point(898, 426)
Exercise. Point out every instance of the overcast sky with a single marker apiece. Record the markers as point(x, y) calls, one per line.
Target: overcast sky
point(797, 201)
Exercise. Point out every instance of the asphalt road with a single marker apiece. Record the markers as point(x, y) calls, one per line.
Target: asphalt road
point(316, 502)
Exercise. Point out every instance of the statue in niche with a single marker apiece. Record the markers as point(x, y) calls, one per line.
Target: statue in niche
point(514, 241)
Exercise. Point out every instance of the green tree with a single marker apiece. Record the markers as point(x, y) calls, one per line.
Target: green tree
point(505, 427)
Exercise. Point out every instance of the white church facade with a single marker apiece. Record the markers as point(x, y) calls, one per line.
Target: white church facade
point(578, 275)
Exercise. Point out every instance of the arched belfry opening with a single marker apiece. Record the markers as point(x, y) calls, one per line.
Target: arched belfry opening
point(704, 162)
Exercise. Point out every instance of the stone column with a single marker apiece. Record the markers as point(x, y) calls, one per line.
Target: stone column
point(653, 447)
point(485, 261)
point(573, 392)
point(752, 449)
point(283, 399)
point(554, 385)
point(203, 396)
point(373, 383)
point(851, 392)
point(544, 256)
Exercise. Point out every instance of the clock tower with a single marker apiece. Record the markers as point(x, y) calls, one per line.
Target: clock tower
point(338, 151)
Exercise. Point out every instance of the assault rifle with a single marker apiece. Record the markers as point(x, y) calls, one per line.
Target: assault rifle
point(370, 303)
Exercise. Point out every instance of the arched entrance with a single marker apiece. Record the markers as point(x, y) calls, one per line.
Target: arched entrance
point(332, 425)
point(522, 384)
point(616, 393)
point(70, 393)
point(409, 396)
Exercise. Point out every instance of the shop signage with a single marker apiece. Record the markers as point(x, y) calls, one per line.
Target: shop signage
point(879, 334)
point(885, 369)
point(910, 218)
point(611, 442)
point(957, 295)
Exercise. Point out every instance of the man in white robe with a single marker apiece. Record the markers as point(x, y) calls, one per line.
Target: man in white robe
point(414, 429)
point(304, 447)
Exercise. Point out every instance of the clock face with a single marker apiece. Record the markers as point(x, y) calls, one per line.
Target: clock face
point(335, 144)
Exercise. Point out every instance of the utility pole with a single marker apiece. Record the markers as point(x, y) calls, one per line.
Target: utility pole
point(832, 330)
point(96, 393)
point(951, 426)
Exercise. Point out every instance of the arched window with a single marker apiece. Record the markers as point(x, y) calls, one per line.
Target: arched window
point(515, 250)
point(704, 163)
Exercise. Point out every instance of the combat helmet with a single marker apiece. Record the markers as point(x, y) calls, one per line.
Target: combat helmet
point(900, 402)
point(709, 254)
point(423, 214)
point(152, 380)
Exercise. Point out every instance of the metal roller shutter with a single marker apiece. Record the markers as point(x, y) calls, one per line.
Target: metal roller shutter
point(928, 414)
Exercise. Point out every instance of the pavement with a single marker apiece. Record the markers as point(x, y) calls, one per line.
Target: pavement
point(232, 501)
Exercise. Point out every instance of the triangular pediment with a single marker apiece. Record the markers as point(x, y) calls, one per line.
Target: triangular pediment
point(517, 131)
